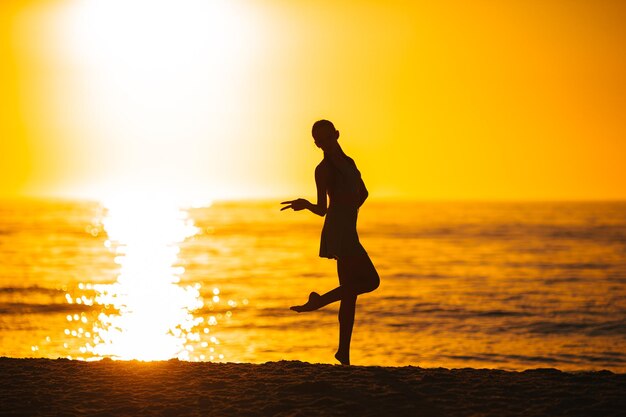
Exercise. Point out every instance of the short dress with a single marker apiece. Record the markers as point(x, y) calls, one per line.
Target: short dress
point(339, 236)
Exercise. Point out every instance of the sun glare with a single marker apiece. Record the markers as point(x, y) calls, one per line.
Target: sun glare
point(154, 319)
point(146, 314)
point(154, 84)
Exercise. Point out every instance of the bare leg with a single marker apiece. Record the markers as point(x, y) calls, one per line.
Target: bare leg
point(356, 275)
point(317, 301)
point(347, 310)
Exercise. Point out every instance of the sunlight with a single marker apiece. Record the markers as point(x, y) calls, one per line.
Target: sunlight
point(158, 80)
point(152, 316)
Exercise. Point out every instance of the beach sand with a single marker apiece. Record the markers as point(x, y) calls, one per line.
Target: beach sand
point(63, 387)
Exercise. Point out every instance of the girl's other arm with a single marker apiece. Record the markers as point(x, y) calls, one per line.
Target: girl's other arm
point(321, 183)
point(363, 194)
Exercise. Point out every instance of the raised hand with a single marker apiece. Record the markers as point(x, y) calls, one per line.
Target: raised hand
point(296, 205)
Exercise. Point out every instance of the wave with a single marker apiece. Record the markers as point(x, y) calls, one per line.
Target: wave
point(31, 289)
point(606, 358)
point(607, 328)
point(28, 308)
point(507, 232)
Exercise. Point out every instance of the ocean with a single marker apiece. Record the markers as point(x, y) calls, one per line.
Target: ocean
point(507, 285)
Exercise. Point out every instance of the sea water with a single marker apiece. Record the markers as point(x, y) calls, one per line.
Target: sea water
point(463, 284)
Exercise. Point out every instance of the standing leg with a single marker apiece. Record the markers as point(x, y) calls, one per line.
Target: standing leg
point(346, 270)
point(347, 309)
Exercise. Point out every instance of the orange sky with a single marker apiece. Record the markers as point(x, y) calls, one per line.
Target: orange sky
point(458, 100)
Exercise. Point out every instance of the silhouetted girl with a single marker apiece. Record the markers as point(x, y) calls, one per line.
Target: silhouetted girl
point(338, 177)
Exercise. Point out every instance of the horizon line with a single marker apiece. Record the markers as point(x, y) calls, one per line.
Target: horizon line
point(266, 199)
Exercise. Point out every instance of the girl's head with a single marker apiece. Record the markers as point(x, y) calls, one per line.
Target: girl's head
point(324, 134)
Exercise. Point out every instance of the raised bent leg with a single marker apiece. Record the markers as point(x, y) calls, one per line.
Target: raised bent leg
point(317, 301)
point(357, 275)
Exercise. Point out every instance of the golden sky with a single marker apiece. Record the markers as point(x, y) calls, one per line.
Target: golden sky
point(215, 99)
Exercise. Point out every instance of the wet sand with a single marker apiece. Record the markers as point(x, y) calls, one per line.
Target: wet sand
point(171, 388)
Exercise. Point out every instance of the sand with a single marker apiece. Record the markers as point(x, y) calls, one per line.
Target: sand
point(117, 388)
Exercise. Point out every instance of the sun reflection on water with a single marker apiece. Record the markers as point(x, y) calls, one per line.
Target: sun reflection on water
point(145, 314)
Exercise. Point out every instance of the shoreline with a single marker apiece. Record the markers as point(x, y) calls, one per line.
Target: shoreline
point(293, 388)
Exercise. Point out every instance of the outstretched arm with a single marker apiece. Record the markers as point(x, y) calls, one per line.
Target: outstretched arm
point(321, 182)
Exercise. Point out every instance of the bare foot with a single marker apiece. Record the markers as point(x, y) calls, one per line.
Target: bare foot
point(343, 359)
point(311, 305)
